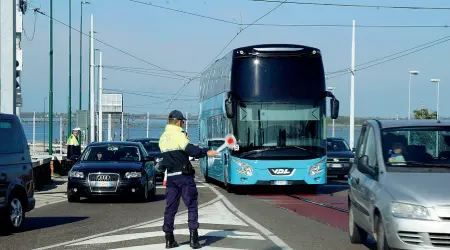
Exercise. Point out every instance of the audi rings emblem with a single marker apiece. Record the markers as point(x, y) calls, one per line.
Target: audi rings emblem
point(103, 178)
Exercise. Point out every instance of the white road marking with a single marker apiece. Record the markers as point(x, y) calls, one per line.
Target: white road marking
point(215, 213)
point(277, 241)
point(162, 246)
point(119, 230)
point(201, 232)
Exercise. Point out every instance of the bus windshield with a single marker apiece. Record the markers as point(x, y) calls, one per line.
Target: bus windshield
point(280, 131)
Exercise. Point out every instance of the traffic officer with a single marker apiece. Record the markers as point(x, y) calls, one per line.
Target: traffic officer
point(175, 151)
point(73, 146)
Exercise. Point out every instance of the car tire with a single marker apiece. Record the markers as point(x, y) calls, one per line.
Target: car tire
point(72, 198)
point(152, 193)
point(145, 193)
point(15, 215)
point(357, 235)
point(381, 235)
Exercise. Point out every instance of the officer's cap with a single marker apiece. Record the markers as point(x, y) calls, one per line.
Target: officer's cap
point(76, 129)
point(176, 115)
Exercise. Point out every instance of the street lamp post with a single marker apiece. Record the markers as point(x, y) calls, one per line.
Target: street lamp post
point(437, 105)
point(332, 91)
point(81, 53)
point(45, 101)
point(69, 112)
point(50, 97)
point(411, 72)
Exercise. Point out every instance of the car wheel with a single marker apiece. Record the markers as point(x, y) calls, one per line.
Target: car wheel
point(381, 236)
point(16, 213)
point(356, 234)
point(144, 197)
point(72, 197)
point(152, 193)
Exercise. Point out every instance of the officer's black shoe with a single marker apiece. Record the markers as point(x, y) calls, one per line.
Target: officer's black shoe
point(194, 239)
point(170, 241)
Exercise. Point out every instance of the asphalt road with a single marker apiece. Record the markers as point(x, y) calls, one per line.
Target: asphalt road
point(227, 221)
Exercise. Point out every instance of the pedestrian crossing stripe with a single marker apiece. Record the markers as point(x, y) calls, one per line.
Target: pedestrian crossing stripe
point(215, 213)
point(163, 246)
point(201, 232)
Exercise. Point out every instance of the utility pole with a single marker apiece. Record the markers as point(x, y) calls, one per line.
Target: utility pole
point(20, 11)
point(81, 53)
point(50, 96)
point(69, 112)
point(121, 128)
point(109, 127)
point(148, 122)
point(8, 57)
point(91, 84)
point(100, 93)
point(352, 92)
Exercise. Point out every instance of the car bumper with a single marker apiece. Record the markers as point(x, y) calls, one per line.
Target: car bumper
point(417, 234)
point(82, 188)
point(31, 204)
point(338, 169)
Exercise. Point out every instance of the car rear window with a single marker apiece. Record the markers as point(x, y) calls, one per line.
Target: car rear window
point(10, 142)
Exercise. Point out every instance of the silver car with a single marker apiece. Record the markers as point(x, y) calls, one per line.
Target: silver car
point(400, 185)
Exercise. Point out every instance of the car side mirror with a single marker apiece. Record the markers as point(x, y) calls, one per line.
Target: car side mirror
point(353, 150)
point(149, 158)
point(334, 108)
point(74, 158)
point(363, 166)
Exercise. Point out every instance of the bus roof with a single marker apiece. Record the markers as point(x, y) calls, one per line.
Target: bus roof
point(274, 48)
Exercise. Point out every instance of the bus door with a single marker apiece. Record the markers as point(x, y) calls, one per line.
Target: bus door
point(216, 168)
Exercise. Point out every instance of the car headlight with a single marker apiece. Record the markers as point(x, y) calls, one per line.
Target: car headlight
point(409, 211)
point(76, 174)
point(316, 168)
point(245, 168)
point(133, 175)
point(351, 160)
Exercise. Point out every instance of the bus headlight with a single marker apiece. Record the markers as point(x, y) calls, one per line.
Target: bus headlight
point(245, 168)
point(316, 168)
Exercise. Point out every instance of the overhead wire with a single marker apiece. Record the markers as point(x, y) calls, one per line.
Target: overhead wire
point(140, 72)
point(287, 25)
point(111, 46)
point(226, 46)
point(355, 5)
point(146, 95)
point(395, 56)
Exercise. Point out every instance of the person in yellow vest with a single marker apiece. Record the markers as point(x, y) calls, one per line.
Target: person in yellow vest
point(73, 145)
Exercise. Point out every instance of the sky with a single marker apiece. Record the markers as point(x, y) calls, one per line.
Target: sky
point(181, 42)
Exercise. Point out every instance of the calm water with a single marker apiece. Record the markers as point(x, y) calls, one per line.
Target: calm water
point(139, 129)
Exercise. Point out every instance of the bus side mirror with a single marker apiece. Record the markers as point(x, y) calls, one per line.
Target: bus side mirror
point(229, 108)
point(334, 108)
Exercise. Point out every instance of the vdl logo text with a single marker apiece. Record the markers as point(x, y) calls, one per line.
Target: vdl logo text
point(281, 171)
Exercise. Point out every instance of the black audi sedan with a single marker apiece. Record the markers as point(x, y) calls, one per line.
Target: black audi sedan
point(151, 145)
point(112, 168)
point(339, 157)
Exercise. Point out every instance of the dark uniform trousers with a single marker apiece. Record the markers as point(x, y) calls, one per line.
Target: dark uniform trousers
point(184, 186)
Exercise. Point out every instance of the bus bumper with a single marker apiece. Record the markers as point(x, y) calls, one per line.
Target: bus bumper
point(279, 172)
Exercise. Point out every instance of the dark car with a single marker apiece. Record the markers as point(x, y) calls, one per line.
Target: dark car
point(151, 145)
point(339, 157)
point(16, 175)
point(112, 168)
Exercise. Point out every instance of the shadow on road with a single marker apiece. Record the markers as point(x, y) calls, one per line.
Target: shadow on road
point(36, 223)
point(124, 199)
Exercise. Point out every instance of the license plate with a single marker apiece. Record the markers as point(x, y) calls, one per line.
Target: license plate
point(103, 184)
point(336, 166)
point(280, 182)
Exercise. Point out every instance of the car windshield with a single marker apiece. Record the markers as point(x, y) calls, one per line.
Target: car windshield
point(417, 146)
point(337, 145)
point(151, 145)
point(112, 153)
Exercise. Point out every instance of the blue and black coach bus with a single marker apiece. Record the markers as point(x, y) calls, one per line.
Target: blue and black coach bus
point(272, 98)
